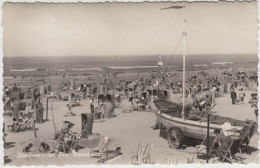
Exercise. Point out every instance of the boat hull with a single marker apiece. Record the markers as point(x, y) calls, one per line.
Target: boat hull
point(193, 129)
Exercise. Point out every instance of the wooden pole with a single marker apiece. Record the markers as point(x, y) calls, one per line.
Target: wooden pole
point(47, 109)
point(208, 138)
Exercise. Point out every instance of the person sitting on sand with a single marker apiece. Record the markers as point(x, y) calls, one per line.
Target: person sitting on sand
point(16, 125)
point(44, 147)
point(131, 97)
point(222, 141)
point(28, 148)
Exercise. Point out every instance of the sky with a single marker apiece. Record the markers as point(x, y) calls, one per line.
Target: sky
point(82, 29)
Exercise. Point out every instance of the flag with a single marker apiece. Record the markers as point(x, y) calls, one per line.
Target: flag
point(173, 7)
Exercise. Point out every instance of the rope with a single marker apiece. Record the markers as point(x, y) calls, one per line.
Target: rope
point(188, 49)
point(174, 52)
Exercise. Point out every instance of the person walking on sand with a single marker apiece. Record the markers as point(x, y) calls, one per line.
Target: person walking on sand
point(233, 96)
point(242, 95)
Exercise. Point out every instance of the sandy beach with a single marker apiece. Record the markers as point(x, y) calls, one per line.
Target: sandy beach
point(125, 130)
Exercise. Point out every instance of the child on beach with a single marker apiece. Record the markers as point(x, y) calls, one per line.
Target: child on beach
point(242, 95)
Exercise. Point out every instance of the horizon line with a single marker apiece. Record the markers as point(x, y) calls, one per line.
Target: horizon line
point(137, 55)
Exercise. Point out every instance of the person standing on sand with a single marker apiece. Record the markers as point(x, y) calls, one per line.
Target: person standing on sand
point(84, 90)
point(256, 115)
point(91, 104)
point(37, 111)
point(41, 109)
point(242, 95)
point(233, 96)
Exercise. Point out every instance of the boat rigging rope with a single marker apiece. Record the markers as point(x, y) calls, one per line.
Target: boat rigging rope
point(174, 52)
point(188, 49)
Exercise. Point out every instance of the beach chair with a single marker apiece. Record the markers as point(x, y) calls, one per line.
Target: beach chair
point(28, 123)
point(201, 150)
point(226, 154)
point(99, 149)
point(143, 154)
point(170, 161)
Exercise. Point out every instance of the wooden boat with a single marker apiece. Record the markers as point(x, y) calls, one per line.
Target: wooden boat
point(169, 117)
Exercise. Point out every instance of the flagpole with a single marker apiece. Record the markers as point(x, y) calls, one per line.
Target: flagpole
point(184, 59)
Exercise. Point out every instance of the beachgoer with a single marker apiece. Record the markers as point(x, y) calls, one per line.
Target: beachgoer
point(91, 103)
point(84, 90)
point(256, 115)
point(233, 96)
point(27, 148)
point(223, 142)
point(44, 147)
point(41, 109)
point(37, 111)
point(242, 95)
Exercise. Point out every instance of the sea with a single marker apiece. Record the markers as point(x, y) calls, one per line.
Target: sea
point(82, 63)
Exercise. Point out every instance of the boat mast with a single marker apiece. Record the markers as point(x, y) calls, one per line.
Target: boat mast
point(184, 57)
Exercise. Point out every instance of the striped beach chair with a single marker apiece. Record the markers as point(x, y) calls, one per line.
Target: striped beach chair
point(100, 147)
point(143, 154)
